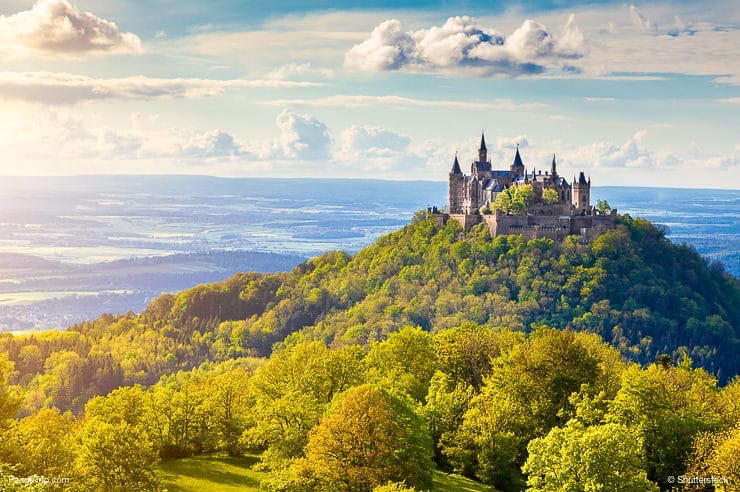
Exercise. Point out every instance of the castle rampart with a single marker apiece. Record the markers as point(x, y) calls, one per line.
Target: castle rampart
point(572, 214)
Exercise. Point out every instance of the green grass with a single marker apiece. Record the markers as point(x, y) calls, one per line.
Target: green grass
point(212, 473)
point(456, 483)
point(227, 474)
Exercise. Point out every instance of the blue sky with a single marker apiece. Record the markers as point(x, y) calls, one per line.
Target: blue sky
point(633, 94)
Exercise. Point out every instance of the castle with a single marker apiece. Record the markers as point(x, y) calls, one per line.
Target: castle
point(565, 210)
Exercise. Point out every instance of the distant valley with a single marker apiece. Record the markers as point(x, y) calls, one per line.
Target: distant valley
point(72, 248)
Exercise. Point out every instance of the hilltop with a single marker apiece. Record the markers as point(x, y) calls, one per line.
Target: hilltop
point(471, 353)
point(637, 290)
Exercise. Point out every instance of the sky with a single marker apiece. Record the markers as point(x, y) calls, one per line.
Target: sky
point(643, 94)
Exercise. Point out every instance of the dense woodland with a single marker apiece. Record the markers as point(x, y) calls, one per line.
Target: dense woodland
point(523, 364)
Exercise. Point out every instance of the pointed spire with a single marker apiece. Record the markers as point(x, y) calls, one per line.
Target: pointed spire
point(482, 151)
point(456, 166)
point(553, 168)
point(517, 158)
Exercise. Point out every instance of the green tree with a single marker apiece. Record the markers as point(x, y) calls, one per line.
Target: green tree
point(670, 407)
point(10, 400)
point(44, 444)
point(405, 362)
point(118, 457)
point(514, 199)
point(226, 406)
point(291, 392)
point(550, 196)
point(603, 207)
point(368, 438)
point(575, 458)
point(527, 394)
point(716, 454)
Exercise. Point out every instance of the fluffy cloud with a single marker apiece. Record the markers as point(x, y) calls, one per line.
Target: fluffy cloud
point(632, 153)
point(66, 88)
point(302, 70)
point(303, 136)
point(461, 44)
point(56, 28)
point(373, 146)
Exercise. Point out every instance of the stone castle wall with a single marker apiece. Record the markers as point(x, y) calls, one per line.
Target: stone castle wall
point(550, 222)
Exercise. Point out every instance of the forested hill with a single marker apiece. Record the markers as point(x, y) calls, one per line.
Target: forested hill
point(633, 287)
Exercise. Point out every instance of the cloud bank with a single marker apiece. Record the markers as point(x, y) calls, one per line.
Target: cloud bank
point(55, 28)
point(67, 88)
point(463, 45)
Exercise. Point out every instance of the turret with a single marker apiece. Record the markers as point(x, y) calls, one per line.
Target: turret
point(553, 169)
point(456, 188)
point(482, 151)
point(456, 166)
point(582, 193)
point(517, 167)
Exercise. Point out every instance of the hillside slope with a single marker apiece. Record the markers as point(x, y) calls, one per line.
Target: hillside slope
point(633, 287)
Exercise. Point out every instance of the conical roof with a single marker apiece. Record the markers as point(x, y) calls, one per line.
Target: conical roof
point(456, 167)
point(518, 159)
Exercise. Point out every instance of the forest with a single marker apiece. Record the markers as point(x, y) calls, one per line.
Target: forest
point(608, 364)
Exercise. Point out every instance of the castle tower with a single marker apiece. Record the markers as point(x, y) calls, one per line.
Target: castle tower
point(482, 151)
point(517, 166)
point(553, 169)
point(582, 193)
point(457, 181)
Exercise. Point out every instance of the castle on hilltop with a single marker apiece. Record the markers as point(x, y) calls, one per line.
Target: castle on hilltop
point(555, 209)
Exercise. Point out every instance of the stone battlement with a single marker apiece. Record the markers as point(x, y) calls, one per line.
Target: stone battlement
point(571, 214)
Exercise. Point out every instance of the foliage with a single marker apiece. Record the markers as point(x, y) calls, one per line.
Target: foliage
point(514, 199)
point(527, 394)
point(670, 407)
point(117, 457)
point(577, 458)
point(603, 207)
point(291, 393)
point(492, 348)
point(404, 363)
point(368, 439)
point(550, 196)
point(9, 399)
point(715, 454)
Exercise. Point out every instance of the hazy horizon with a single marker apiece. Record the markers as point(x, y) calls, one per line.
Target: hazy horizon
point(633, 94)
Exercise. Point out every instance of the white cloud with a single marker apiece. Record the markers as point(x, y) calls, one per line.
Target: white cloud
point(300, 70)
point(463, 45)
point(365, 101)
point(66, 88)
point(631, 153)
point(55, 28)
point(510, 143)
point(641, 21)
point(303, 136)
point(373, 148)
point(215, 143)
point(730, 100)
